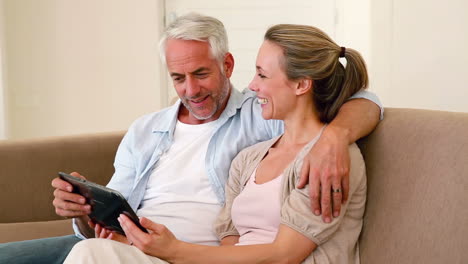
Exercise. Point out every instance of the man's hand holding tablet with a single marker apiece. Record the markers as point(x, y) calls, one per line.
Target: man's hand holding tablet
point(106, 204)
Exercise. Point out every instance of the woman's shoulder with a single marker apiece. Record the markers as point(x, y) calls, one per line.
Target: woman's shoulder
point(355, 154)
point(249, 157)
point(357, 169)
point(257, 148)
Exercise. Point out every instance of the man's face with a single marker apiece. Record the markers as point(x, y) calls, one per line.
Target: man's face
point(199, 81)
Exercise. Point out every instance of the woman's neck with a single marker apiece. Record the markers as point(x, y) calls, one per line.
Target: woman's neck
point(301, 125)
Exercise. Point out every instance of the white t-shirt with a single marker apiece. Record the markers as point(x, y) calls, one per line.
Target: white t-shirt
point(179, 194)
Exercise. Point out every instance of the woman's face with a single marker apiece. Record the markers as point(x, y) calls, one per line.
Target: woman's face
point(274, 90)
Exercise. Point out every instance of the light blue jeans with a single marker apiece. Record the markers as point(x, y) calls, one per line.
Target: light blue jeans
point(46, 250)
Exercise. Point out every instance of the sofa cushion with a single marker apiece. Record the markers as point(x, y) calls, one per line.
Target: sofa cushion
point(32, 230)
point(417, 167)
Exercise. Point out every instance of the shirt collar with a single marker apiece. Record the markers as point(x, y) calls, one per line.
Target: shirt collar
point(167, 122)
point(236, 99)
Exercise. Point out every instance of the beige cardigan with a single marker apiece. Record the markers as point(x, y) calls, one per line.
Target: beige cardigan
point(336, 241)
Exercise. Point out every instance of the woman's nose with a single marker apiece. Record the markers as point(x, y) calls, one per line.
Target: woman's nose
point(252, 85)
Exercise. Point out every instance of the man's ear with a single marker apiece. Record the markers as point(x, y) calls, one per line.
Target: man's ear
point(303, 86)
point(228, 64)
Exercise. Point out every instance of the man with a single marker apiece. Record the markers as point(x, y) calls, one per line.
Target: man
point(172, 165)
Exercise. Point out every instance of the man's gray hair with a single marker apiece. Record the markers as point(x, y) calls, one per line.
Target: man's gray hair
point(194, 26)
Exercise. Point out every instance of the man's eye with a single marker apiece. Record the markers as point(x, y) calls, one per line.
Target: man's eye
point(202, 75)
point(177, 79)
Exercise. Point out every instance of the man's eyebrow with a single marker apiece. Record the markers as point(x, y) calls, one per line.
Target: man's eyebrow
point(197, 71)
point(175, 74)
point(200, 70)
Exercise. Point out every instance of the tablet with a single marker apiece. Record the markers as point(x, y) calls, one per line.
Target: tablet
point(106, 204)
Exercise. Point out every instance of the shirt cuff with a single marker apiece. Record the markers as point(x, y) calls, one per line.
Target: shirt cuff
point(77, 230)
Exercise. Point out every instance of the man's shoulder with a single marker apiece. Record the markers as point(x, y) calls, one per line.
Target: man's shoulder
point(248, 96)
point(242, 98)
point(154, 120)
point(247, 106)
point(153, 115)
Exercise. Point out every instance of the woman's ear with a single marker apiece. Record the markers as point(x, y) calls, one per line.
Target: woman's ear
point(304, 86)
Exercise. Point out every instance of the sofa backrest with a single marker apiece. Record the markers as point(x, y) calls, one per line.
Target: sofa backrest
point(417, 169)
point(27, 168)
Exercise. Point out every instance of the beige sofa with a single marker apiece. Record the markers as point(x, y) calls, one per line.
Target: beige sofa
point(417, 164)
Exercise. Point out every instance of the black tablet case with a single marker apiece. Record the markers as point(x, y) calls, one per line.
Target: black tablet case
point(106, 204)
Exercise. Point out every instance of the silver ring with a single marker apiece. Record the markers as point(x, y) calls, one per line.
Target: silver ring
point(337, 190)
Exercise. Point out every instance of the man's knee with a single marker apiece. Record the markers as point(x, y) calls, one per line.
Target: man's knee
point(46, 250)
point(95, 250)
point(92, 245)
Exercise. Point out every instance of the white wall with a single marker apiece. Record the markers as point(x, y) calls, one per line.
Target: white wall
point(81, 66)
point(354, 26)
point(419, 53)
point(3, 107)
point(93, 65)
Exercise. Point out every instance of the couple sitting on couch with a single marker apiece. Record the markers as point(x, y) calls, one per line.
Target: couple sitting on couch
point(173, 165)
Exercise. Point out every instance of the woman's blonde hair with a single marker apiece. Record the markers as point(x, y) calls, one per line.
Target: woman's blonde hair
point(310, 53)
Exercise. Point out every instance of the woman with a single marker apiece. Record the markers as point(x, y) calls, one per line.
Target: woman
point(299, 80)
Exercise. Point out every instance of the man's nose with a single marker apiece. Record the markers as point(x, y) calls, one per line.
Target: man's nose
point(192, 88)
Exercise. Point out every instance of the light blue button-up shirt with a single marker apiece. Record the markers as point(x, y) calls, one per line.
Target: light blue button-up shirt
point(240, 125)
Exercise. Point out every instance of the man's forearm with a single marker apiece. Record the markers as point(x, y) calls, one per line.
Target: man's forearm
point(357, 118)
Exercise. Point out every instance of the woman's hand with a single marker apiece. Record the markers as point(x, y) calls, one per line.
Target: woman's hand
point(160, 242)
point(101, 232)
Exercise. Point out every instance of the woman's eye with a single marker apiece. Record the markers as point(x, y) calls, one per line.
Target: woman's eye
point(261, 76)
